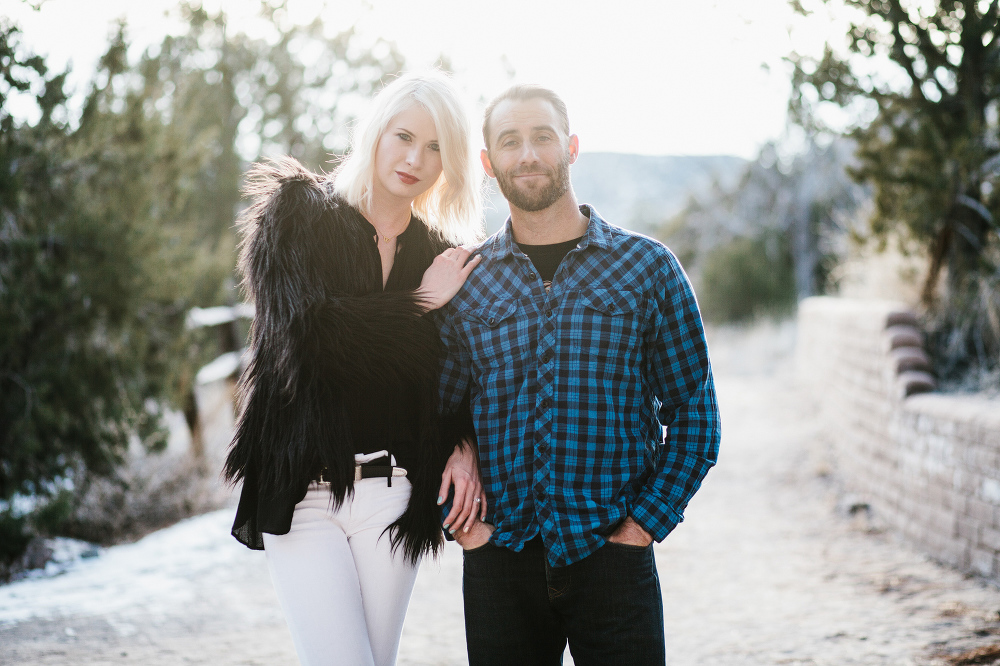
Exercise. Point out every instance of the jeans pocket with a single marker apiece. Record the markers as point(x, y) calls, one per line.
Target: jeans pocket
point(477, 549)
point(627, 547)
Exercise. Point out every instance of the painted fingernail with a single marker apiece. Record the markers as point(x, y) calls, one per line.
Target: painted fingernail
point(440, 500)
point(446, 526)
point(451, 531)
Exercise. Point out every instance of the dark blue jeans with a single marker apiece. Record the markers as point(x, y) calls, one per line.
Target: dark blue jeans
point(521, 611)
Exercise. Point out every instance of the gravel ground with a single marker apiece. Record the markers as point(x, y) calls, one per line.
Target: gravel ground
point(764, 571)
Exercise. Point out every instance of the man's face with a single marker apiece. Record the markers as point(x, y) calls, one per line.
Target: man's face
point(529, 154)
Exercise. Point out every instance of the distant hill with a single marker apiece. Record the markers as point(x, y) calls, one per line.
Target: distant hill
point(634, 191)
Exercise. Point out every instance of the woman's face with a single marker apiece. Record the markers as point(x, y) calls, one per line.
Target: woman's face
point(407, 158)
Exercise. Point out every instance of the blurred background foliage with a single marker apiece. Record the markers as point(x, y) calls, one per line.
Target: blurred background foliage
point(116, 217)
point(754, 248)
point(116, 213)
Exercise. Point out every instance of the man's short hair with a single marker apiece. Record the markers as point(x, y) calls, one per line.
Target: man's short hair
point(520, 93)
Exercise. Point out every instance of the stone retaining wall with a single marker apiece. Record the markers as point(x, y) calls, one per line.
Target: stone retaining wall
point(927, 464)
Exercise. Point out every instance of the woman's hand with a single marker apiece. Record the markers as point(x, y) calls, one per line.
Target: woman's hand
point(469, 503)
point(446, 275)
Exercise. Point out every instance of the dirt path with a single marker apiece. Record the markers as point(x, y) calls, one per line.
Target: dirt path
point(764, 570)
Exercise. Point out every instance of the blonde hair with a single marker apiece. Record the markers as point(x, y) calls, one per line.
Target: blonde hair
point(453, 204)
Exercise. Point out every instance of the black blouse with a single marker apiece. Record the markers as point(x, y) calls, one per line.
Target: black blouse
point(388, 416)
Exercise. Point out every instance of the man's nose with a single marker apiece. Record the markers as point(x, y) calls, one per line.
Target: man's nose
point(528, 154)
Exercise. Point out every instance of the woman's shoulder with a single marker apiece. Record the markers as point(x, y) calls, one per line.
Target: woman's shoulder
point(283, 177)
point(283, 190)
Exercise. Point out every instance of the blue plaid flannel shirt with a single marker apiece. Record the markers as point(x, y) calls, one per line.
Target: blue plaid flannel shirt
point(571, 388)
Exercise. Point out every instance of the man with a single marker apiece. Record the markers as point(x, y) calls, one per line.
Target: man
point(576, 343)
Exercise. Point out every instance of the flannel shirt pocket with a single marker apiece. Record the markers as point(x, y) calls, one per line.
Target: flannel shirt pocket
point(611, 324)
point(498, 338)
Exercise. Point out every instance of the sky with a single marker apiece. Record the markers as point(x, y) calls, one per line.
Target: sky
point(654, 77)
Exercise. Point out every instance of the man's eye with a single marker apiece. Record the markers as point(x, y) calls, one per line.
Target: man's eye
point(509, 144)
point(544, 137)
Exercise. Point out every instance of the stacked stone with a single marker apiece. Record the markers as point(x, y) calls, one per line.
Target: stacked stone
point(927, 464)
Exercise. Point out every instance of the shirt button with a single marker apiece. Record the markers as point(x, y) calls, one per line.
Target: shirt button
point(493, 321)
point(532, 276)
point(548, 313)
point(545, 403)
point(541, 494)
point(546, 358)
point(611, 308)
point(542, 447)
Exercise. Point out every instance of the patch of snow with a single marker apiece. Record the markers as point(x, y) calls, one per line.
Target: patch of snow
point(148, 573)
point(224, 366)
point(223, 314)
point(66, 554)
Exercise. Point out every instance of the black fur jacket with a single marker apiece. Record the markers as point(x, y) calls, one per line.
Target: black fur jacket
point(325, 341)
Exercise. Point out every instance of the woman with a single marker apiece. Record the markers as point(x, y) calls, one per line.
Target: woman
point(338, 444)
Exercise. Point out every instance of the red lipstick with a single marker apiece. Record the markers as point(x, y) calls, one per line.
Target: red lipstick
point(407, 178)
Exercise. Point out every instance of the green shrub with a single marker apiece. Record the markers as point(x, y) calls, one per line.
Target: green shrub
point(14, 537)
point(747, 278)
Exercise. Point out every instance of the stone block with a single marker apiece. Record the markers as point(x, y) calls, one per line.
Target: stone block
point(901, 318)
point(980, 511)
point(902, 335)
point(967, 530)
point(989, 537)
point(912, 382)
point(953, 553)
point(982, 561)
point(990, 491)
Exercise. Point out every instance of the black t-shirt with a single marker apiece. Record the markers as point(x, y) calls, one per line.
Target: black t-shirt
point(546, 258)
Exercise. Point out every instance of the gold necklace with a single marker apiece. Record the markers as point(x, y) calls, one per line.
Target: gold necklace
point(395, 235)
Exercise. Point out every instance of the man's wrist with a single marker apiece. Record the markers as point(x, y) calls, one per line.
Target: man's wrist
point(631, 532)
point(479, 535)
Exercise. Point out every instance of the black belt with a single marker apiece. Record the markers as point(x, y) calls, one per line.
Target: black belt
point(373, 469)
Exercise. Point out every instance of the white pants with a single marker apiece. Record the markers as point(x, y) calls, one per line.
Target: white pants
point(343, 592)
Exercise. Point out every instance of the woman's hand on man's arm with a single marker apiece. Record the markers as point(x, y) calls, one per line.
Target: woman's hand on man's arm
point(445, 276)
point(469, 503)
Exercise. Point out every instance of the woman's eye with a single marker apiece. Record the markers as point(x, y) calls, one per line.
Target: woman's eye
point(435, 147)
point(404, 136)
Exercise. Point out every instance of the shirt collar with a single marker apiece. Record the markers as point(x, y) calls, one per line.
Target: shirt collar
point(502, 244)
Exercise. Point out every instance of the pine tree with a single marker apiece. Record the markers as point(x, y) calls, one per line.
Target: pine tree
point(925, 80)
point(91, 300)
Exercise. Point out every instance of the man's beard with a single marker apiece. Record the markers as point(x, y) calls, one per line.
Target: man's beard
point(531, 200)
